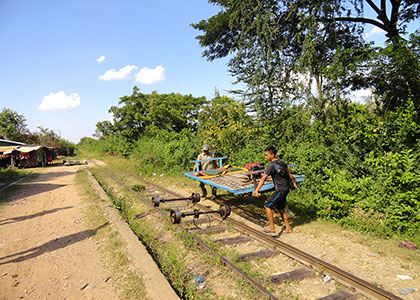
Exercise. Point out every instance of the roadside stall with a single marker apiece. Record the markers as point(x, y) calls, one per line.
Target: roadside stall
point(26, 156)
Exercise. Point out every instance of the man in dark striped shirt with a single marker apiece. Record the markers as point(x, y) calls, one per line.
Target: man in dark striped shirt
point(281, 175)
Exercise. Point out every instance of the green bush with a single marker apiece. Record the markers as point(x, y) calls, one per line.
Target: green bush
point(166, 151)
point(361, 169)
point(386, 200)
point(9, 174)
point(395, 190)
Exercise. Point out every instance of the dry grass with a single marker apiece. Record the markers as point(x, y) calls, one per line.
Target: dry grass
point(128, 284)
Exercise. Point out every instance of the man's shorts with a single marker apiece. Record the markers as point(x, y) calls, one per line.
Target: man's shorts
point(276, 200)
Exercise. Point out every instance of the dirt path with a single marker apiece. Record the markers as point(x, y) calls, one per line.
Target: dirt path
point(46, 252)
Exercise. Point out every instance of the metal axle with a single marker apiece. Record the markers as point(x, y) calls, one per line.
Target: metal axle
point(194, 198)
point(176, 214)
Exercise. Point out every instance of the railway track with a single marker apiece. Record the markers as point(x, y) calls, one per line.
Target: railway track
point(307, 263)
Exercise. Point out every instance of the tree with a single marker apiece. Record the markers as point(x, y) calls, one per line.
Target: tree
point(225, 125)
point(395, 75)
point(49, 138)
point(401, 13)
point(12, 125)
point(139, 111)
point(272, 41)
point(104, 128)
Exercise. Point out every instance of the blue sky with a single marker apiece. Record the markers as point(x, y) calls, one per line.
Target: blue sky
point(53, 46)
point(49, 51)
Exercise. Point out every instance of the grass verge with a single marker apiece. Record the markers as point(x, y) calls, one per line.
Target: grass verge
point(125, 281)
point(8, 176)
point(177, 254)
point(305, 220)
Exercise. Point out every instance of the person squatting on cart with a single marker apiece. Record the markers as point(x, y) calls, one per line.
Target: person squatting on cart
point(281, 175)
point(204, 166)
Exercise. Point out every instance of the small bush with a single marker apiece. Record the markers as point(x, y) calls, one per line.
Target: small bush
point(10, 174)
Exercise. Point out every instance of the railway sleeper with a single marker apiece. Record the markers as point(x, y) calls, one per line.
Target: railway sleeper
point(340, 295)
point(294, 275)
point(209, 230)
point(197, 221)
point(259, 254)
point(240, 239)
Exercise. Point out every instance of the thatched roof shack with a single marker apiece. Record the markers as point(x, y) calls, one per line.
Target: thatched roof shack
point(24, 155)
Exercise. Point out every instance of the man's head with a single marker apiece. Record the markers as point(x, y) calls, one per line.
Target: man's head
point(205, 148)
point(270, 153)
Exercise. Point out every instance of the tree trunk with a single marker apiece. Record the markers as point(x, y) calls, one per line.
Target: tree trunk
point(321, 100)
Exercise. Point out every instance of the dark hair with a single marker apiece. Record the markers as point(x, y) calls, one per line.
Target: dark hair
point(272, 150)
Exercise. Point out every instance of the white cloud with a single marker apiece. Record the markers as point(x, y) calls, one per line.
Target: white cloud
point(149, 76)
point(100, 59)
point(60, 102)
point(374, 31)
point(116, 75)
point(366, 93)
point(362, 96)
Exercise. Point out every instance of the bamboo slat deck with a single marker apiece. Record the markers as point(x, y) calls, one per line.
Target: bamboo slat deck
point(237, 183)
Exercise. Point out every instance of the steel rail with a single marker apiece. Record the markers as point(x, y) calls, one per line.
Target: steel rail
point(224, 260)
point(338, 274)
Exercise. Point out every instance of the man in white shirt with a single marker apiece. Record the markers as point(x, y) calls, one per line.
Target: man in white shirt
point(204, 166)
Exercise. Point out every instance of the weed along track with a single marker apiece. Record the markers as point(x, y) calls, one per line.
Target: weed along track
point(274, 269)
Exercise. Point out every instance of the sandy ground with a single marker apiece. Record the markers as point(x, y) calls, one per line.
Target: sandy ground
point(46, 252)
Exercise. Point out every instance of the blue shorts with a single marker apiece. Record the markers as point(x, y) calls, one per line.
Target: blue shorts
point(276, 200)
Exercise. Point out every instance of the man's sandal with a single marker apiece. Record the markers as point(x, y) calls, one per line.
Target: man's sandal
point(268, 230)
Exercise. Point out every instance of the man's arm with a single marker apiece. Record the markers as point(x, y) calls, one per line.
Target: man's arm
point(291, 177)
point(260, 184)
point(198, 158)
point(213, 162)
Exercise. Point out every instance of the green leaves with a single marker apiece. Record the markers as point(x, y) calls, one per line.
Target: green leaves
point(138, 113)
point(12, 125)
point(225, 125)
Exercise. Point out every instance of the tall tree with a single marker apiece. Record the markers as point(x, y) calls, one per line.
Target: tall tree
point(392, 16)
point(271, 41)
point(395, 75)
point(139, 111)
point(12, 125)
point(103, 129)
point(225, 125)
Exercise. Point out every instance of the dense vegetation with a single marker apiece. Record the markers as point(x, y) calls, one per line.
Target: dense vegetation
point(361, 169)
point(13, 127)
point(301, 62)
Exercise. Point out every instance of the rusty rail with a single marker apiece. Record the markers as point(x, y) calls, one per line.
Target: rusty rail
point(223, 259)
point(338, 274)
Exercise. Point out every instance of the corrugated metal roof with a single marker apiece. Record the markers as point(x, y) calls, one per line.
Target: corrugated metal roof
point(12, 142)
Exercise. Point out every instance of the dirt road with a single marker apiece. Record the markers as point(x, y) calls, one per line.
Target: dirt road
point(46, 251)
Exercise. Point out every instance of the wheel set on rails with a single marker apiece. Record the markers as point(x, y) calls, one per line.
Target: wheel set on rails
point(176, 214)
point(354, 284)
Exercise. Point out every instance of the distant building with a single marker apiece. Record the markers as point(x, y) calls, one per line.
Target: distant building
point(16, 154)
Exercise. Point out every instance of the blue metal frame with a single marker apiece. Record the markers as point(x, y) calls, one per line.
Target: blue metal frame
point(265, 187)
point(197, 162)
